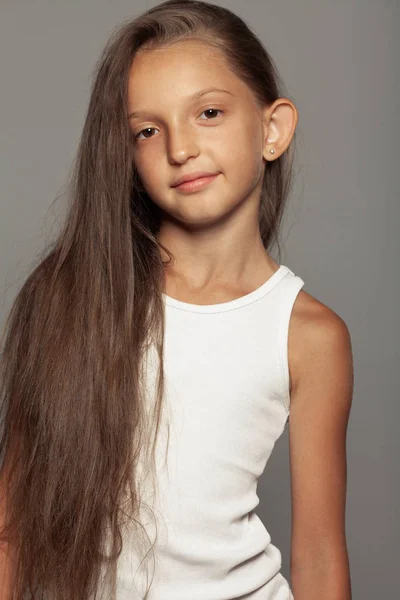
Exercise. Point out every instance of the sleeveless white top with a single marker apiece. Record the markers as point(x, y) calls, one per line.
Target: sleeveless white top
point(228, 401)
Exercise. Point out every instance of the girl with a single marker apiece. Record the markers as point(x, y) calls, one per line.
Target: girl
point(148, 366)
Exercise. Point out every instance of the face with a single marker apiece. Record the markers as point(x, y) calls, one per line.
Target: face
point(177, 131)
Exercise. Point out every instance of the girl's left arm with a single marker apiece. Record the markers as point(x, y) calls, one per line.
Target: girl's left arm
point(321, 396)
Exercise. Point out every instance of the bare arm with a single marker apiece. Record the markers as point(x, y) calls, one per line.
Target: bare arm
point(8, 554)
point(7, 574)
point(320, 406)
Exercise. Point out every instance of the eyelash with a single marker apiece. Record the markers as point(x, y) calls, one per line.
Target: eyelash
point(214, 109)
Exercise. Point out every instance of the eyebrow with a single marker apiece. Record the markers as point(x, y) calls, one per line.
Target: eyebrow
point(195, 96)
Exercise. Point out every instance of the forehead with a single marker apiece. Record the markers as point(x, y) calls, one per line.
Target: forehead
point(179, 71)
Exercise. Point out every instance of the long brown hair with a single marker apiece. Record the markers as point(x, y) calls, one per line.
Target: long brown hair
point(76, 429)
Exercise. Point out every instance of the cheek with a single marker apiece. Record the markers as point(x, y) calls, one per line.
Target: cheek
point(243, 144)
point(153, 180)
point(149, 175)
point(244, 159)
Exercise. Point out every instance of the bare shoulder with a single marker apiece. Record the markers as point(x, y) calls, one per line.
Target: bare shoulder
point(315, 332)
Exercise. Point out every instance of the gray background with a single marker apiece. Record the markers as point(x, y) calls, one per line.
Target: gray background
point(339, 61)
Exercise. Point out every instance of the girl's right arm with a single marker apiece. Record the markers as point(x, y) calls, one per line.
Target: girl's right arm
point(8, 554)
point(7, 573)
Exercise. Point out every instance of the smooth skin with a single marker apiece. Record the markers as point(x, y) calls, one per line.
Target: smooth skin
point(214, 235)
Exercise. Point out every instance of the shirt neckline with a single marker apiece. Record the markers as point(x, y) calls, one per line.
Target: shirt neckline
point(259, 292)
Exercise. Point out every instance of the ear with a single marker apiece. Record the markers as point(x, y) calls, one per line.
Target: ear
point(279, 123)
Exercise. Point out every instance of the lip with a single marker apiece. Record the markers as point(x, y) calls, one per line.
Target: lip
point(196, 184)
point(192, 177)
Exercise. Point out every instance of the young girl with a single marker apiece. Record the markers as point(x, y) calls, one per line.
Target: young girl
point(153, 355)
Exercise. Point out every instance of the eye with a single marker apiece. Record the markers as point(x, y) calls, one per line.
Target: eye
point(213, 110)
point(140, 132)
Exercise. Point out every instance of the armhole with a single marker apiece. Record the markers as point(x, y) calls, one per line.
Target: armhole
point(289, 296)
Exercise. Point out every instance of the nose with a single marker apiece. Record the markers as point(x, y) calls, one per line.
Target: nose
point(182, 144)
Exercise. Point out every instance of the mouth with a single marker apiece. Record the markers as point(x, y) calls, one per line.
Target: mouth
point(196, 184)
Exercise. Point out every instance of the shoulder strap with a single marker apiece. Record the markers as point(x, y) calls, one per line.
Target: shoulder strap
point(289, 289)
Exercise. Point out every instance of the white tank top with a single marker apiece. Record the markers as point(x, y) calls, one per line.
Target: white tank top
point(227, 398)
